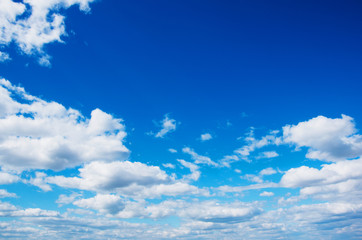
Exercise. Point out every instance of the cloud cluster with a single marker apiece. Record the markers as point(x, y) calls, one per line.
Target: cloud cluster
point(37, 134)
point(31, 24)
point(328, 139)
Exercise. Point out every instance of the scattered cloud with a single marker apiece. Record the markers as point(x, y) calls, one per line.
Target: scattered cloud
point(267, 171)
point(199, 159)
point(4, 57)
point(266, 194)
point(195, 174)
point(32, 24)
point(168, 125)
point(168, 165)
point(268, 154)
point(171, 150)
point(206, 137)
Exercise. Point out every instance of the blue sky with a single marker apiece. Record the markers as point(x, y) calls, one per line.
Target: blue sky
point(180, 119)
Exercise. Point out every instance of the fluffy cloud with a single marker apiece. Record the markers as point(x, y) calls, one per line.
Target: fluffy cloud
point(206, 136)
point(7, 178)
point(337, 180)
point(328, 139)
point(266, 194)
point(65, 199)
point(168, 125)
point(31, 24)
point(104, 203)
point(267, 171)
point(108, 177)
point(36, 134)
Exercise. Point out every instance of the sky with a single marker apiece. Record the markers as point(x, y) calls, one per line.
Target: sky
point(180, 119)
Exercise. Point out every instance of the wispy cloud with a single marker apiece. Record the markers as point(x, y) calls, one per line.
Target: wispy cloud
point(167, 125)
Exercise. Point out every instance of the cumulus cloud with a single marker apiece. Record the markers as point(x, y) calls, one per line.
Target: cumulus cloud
point(206, 136)
point(7, 178)
point(342, 179)
point(199, 159)
point(328, 139)
point(168, 125)
point(267, 171)
point(40, 181)
point(31, 24)
point(108, 177)
point(37, 134)
point(104, 203)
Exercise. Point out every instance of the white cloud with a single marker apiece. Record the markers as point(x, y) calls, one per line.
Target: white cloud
point(40, 181)
point(176, 188)
point(252, 145)
point(212, 211)
point(168, 165)
point(168, 125)
point(104, 203)
point(4, 57)
point(204, 211)
point(267, 171)
point(206, 136)
point(6, 194)
point(268, 154)
point(328, 139)
point(65, 199)
point(108, 177)
point(31, 24)
point(171, 150)
point(199, 159)
point(195, 174)
point(341, 180)
point(36, 134)
point(7, 178)
point(266, 194)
